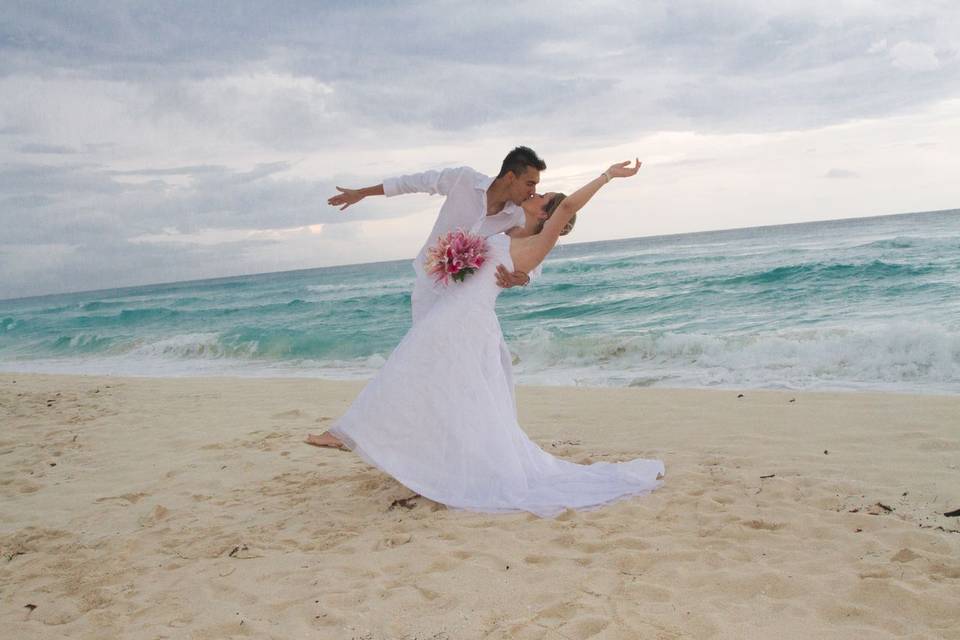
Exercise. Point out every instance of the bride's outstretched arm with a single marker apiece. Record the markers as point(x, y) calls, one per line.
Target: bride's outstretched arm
point(536, 248)
point(575, 201)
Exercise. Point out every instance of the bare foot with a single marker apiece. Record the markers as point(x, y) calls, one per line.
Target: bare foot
point(326, 440)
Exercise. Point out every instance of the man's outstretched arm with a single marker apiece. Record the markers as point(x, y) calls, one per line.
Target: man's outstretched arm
point(347, 197)
point(432, 182)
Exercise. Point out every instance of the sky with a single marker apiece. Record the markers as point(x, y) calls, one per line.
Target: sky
point(147, 142)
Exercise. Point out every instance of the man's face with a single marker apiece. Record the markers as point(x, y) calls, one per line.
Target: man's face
point(523, 186)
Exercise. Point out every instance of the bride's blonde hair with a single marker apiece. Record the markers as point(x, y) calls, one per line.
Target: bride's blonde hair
point(551, 207)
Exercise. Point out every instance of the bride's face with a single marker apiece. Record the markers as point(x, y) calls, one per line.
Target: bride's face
point(535, 206)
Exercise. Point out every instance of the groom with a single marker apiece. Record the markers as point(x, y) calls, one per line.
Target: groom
point(474, 202)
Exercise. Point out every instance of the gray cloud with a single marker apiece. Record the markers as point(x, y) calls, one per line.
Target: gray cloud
point(52, 149)
point(89, 203)
point(171, 171)
point(841, 173)
point(43, 268)
point(454, 68)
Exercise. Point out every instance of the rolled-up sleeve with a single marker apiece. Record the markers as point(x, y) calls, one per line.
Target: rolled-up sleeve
point(432, 182)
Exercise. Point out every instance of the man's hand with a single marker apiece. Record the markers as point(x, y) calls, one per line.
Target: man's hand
point(346, 197)
point(506, 279)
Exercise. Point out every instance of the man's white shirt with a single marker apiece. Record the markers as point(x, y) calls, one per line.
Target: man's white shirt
point(465, 206)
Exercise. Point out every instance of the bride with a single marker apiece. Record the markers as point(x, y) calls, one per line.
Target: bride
point(440, 417)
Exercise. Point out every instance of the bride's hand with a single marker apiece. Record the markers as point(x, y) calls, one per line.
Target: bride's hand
point(623, 169)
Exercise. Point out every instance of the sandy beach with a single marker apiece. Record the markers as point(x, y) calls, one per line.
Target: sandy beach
point(189, 508)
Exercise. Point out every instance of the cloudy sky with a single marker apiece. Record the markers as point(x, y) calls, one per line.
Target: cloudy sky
point(145, 142)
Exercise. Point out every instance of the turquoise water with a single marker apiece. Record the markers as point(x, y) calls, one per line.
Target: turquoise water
point(869, 303)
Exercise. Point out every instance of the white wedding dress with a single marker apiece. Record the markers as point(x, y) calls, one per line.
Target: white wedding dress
point(440, 416)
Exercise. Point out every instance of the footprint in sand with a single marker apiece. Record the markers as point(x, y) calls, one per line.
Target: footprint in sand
point(57, 612)
point(592, 547)
point(636, 544)
point(29, 487)
point(158, 514)
point(128, 498)
point(585, 627)
point(428, 594)
point(904, 555)
point(287, 415)
point(558, 613)
point(390, 542)
point(539, 560)
point(761, 525)
point(939, 444)
point(566, 516)
point(945, 570)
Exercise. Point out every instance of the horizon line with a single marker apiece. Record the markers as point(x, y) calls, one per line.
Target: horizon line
point(354, 264)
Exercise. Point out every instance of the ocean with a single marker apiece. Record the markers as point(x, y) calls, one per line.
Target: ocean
point(857, 304)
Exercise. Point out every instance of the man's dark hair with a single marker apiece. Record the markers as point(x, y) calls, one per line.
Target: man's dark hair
point(519, 159)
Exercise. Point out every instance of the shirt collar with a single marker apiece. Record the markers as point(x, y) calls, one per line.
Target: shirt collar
point(482, 182)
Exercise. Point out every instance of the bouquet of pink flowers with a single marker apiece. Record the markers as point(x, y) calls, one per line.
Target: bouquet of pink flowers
point(456, 255)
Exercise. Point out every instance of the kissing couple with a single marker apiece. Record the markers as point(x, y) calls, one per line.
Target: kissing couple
point(440, 415)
